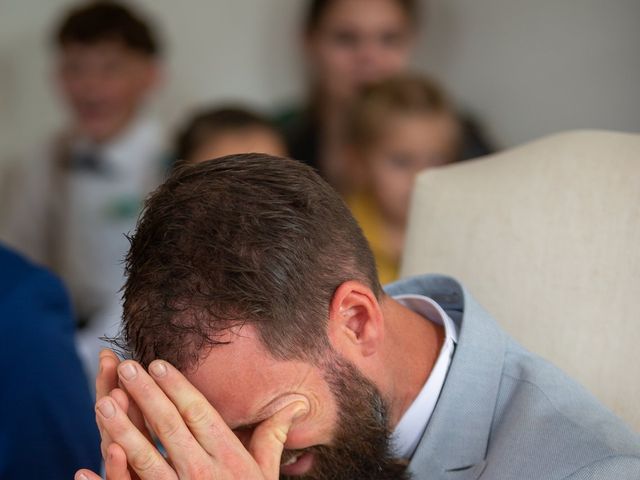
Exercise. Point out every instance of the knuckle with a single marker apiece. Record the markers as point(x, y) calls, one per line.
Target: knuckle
point(272, 431)
point(144, 387)
point(280, 435)
point(167, 427)
point(195, 413)
point(142, 461)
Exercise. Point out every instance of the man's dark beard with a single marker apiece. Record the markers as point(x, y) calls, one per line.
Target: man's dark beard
point(362, 446)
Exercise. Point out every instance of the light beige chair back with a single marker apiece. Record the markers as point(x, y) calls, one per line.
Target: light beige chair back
point(547, 237)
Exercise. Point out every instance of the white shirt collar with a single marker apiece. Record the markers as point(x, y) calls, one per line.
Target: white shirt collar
point(142, 138)
point(413, 423)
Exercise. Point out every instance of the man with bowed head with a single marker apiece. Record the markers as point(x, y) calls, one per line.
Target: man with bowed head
point(265, 348)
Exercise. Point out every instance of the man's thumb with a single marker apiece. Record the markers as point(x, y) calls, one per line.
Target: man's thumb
point(269, 437)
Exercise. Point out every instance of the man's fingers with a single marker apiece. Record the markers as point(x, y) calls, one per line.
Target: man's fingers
point(116, 466)
point(107, 384)
point(107, 378)
point(141, 455)
point(269, 437)
point(122, 398)
point(106, 381)
point(207, 426)
point(164, 418)
point(85, 474)
point(132, 410)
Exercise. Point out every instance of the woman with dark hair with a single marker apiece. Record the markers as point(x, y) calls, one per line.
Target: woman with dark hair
point(349, 44)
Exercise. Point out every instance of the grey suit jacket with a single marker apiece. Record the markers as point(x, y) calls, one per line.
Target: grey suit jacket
point(505, 413)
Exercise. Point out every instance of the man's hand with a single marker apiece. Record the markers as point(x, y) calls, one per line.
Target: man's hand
point(198, 442)
point(107, 384)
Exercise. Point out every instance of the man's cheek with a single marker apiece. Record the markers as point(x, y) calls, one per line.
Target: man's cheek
point(308, 434)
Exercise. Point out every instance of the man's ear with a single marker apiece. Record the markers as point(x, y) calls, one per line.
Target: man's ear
point(356, 324)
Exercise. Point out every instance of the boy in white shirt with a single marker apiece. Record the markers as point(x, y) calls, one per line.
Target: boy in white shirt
point(80, 196)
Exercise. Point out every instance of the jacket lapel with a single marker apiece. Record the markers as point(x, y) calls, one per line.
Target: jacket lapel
point(454, 445)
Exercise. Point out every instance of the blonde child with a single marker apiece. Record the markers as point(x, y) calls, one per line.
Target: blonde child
point(397, 128)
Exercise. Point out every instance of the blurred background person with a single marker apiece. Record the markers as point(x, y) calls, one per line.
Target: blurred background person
point(396, 129)
point(82, 194)
point(47, 425)
point(349, 44)
point(527, 69)
point(225, 130)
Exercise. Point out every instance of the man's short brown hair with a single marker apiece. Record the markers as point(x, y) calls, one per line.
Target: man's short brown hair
point(247, 238)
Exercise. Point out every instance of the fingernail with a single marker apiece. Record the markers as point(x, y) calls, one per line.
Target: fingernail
point(159, 369)
point(106, 408)
point(81, 476)
point(128, 371)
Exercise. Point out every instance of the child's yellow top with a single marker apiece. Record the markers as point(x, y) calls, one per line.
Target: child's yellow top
point(365, 212)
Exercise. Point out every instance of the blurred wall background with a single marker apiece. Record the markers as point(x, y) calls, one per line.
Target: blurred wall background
point(533, 67)
point(525, 68)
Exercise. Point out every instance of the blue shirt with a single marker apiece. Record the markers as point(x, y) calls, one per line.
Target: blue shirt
point(47, 424)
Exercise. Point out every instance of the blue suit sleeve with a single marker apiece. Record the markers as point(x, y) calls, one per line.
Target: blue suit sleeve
point(47, 424)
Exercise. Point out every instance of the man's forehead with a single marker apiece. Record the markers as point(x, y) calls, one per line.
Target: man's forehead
point(241, 379)
point(234, 348)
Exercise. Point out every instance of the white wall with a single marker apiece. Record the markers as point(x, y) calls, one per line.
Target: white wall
point(533, 67)
point(229, 50)
point(526, 67)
